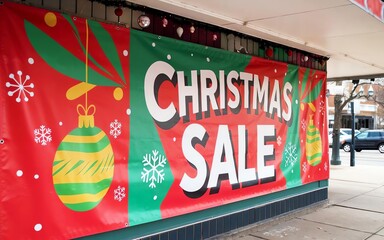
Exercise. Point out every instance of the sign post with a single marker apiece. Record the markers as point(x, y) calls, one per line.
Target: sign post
point(352, 160)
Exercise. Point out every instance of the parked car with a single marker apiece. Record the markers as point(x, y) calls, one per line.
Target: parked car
point(370, 139)
point(344, 134)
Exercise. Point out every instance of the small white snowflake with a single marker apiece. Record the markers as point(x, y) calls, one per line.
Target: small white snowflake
point(115, 128)
point(325, 167)
point(19, 173)
point(38, 227)
point(290, 155)
point(303, 124)
point(322, 107)
point(279, 140)
point(43, 135)
point(19, 86)
point(304, 166)
point(119, 193)
point(155, 173)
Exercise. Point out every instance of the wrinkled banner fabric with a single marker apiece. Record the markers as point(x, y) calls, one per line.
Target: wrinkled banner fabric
point(105, 127)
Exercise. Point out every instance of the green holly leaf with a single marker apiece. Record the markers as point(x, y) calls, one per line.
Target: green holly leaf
point(61, 59)
point(108, 46)
point(77, 35)
point(314, 93)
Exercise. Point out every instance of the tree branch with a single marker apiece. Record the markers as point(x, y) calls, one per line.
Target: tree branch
point(350, 98)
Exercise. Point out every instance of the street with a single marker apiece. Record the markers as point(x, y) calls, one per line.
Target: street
point(365, 157)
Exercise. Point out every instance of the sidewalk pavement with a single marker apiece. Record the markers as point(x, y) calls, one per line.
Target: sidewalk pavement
point(355, 211)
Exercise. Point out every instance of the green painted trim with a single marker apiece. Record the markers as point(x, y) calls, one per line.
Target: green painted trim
point(188, 219)
point(323, 184)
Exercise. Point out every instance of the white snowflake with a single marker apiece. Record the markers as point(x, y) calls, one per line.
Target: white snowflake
point(303, 124)
point(119, 193)
point(322, 107)
point(115, 128)
point(43, 135)
point(19, 86)
point(155, 173)
point(305, 167)
point(325, 167)
point(290, 155)
point(279, 140)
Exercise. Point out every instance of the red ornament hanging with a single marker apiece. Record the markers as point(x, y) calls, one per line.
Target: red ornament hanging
point(118, 11)
point(289, 53)
point(192, 29)
point(269, 52)
point(165, 22)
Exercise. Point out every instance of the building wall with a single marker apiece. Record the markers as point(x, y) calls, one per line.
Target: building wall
point(366, 110)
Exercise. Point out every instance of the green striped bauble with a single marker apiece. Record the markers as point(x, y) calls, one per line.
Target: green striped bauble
point(313, 144)
point(83, 168)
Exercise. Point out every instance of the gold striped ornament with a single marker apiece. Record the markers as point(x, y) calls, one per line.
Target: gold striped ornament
point(83, 166)
point(313, 144)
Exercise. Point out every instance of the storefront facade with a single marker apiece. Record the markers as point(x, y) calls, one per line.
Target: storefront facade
point(120, 133)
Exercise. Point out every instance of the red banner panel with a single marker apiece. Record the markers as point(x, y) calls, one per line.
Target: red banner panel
point(373, 7)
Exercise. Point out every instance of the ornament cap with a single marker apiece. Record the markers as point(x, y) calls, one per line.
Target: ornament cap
point(311, 120)
point(86, 121)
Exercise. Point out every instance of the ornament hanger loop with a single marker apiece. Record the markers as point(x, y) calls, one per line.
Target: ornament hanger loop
point(89, 111)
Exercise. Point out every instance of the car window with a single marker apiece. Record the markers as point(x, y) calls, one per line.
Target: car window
point(374, 134)
point(362, 135)
point(347, 131)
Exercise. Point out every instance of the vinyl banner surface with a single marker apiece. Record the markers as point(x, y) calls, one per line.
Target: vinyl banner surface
point(373, 7)
point(104, 128)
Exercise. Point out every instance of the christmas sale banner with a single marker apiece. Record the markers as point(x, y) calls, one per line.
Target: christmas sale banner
point(372, 7)
point(105, 127)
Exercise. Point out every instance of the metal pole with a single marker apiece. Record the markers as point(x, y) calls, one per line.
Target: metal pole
point(352, 161)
